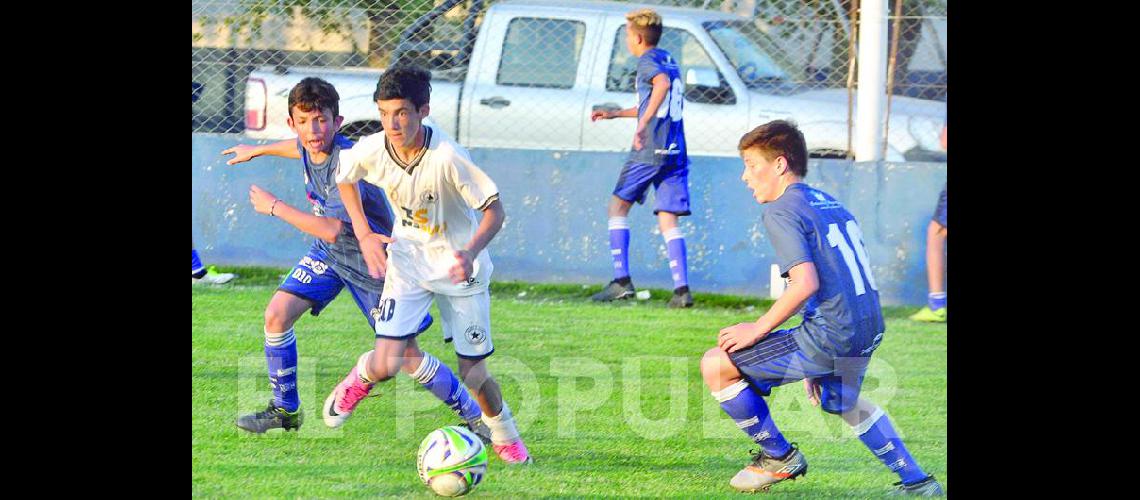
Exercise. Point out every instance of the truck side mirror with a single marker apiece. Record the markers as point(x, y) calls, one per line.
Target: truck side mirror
point(705, 77)
point(703, 85)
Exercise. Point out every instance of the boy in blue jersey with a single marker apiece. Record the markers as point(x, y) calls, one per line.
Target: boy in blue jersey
point(819, 248)
point(334, 262)
point(935, 310)
point(658, 158)
point(199, 273)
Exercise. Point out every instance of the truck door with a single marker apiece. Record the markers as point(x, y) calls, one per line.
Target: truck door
point(529, 91)
point(715, 114)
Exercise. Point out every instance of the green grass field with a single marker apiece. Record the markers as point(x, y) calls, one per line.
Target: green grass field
point(608, 397)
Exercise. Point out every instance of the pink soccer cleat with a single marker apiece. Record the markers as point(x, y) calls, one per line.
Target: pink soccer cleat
point(514, 453)
point(344, 398)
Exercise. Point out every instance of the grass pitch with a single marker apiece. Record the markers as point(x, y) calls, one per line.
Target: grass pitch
point(609, 398)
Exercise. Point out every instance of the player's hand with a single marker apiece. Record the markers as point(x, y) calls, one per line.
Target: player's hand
point(242, 153)
point(261, 199)
point(739, 336)
point(600, 114)
point(463, 267)
point(640, 137)
point(811, 385)
point(374, 249)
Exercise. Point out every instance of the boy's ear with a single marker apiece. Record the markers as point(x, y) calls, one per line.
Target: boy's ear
point(425, 109)
point(289, 121)
point(339, 120)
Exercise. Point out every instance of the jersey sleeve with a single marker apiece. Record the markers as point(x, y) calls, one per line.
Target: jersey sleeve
point(647, 68)
point(474, 185)
point(352, 164)
point(789, 237)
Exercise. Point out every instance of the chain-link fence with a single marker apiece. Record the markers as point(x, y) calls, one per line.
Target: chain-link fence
point(532, 75)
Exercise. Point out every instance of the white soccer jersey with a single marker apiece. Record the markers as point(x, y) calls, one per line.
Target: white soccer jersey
point(435, 206)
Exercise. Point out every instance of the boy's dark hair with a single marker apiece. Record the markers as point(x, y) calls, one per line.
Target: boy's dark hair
point(314, 94)
point(645, 22)
point(779, 138)
point(405, 81)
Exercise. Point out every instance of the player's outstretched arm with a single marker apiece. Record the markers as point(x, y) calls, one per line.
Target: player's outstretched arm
point(264, 202)
point(606, 115)
point(804, 284)
point(372, 245)
point(245, 152)
point(493, 217)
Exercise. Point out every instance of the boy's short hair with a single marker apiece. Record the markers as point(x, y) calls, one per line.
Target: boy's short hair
point(779, 138)
point(314, 93)
point(404, 81)
point(645, 22)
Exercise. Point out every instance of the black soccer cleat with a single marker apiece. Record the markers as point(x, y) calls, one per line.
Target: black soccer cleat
point(480, 429)
point(614, 291)
point(928, 487)
point(272, 417)
point(681, 300)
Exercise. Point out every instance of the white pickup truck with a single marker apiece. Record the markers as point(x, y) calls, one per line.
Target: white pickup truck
point(536, 68)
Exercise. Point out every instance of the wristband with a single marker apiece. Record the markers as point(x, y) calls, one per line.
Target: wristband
point(271, 207)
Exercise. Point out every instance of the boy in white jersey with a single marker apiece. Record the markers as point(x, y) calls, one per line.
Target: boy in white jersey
point(437, 248)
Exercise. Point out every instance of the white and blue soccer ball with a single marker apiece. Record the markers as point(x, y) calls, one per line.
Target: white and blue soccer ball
point(452, 461)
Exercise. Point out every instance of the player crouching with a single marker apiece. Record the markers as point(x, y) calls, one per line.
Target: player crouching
point(819, 246)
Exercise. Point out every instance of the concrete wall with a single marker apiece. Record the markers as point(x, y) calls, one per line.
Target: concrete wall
point(556, 218)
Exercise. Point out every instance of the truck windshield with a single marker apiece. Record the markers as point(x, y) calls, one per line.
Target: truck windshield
point(741, 43)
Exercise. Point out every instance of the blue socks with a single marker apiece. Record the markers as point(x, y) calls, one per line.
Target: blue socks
point(281, 355)
point(678, 263)
point(936, 301)
point(196, 263)
point(880, 437)
point(619, 246)
point(441, 381)
point(751, 415)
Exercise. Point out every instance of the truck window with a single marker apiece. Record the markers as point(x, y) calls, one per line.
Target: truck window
point(541, 53)
point(682, 45)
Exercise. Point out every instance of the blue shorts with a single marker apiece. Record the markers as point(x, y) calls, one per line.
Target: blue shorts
point(314, 280)
point(670, 184)
point(778, 359)
point(940, 210)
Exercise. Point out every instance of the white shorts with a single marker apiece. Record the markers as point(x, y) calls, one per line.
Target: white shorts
point(466, 320)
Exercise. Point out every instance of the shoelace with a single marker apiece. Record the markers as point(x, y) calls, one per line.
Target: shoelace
point(514, 451)
point(352, 396)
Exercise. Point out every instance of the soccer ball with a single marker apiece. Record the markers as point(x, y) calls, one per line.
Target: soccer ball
point(452, 461)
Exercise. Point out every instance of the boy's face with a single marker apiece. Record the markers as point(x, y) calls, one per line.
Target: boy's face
point(632, 40)
point(763, 175)
point(401, 121)
point(315, 128)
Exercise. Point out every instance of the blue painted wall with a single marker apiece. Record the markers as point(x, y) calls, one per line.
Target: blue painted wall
point(556, 218)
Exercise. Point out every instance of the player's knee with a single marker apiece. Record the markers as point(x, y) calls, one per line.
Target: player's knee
point(838, 405)
point(277, 319)
point(715, 364)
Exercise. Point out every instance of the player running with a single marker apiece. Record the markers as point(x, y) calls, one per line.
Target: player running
point(819, 248)
point(437, 250)
point(334, 262)
point(658, 158)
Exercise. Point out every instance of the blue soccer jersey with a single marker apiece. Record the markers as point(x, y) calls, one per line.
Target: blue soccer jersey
point(665, 146)
point(843, 318)
point(320, 186)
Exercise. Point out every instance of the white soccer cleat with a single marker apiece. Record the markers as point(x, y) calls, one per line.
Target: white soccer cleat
point(343, 400)
point(213, 277)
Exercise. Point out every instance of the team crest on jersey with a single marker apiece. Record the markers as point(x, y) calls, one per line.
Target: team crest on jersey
point(316, 265)
point(475, 334)
point(427, 197)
